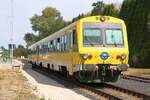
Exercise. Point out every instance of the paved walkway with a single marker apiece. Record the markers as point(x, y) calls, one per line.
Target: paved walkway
point(49, 88)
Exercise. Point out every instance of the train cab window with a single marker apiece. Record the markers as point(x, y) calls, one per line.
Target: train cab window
point(92, 37)
point(114, 37)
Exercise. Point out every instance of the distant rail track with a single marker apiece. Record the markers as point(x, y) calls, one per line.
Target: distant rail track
point(115, 93)
point(137, 78)
point(123, 93)
point(101, 90)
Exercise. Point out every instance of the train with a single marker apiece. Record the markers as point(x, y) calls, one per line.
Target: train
point(93, 49)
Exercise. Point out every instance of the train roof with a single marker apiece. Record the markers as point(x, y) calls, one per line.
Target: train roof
point(61, 31)
point(56, 34)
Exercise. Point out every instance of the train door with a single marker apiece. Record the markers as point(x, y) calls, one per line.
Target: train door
point(69, 48)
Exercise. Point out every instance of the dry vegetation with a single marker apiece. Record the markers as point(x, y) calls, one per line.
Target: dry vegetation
point(14, 86)
point(138, 71)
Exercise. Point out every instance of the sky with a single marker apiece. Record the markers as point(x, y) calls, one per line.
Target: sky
point(25, 9)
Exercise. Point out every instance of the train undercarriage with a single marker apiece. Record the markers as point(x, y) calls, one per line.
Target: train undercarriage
point(100, 73)
point(92, 73)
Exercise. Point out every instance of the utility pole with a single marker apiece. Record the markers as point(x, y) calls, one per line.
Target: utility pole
point(11, 31)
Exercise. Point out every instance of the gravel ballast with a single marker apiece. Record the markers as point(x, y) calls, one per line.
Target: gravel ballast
point(137, 86)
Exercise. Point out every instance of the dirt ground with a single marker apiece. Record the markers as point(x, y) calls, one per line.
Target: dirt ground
point(23, 83)
point(14, 86)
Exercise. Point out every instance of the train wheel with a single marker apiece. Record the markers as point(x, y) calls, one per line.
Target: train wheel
point(48, 66)
point(41, 65)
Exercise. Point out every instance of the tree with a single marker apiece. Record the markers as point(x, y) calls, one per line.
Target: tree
point(100, 8)
point(111, 10)
point(49, 22)
point(79, 17)
point(20, 51)
point(20, 46)
point(30, 38)
point(135, 13)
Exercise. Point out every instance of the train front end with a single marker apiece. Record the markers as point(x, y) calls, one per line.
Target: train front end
point(103, 49)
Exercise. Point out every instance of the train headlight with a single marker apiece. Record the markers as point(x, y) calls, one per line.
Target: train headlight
point(86, 56)
point(123, 57)
point(118, 57)
point(102, 18)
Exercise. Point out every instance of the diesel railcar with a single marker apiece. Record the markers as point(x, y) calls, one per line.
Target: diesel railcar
point(92, 50)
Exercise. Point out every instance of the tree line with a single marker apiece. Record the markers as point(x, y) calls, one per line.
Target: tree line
point(51, 20)
point(135, 13)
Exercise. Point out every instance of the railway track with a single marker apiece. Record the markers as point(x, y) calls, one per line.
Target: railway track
point(82, 87)
point(112, 92)
point(122, 93)
point(106, 91)
point(136, 78)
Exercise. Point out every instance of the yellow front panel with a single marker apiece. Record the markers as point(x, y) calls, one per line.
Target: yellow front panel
point(96, 51)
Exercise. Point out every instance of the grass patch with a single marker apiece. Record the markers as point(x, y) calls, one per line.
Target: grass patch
point(42, 98)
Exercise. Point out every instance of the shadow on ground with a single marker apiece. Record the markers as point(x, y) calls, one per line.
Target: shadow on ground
point(47, 77)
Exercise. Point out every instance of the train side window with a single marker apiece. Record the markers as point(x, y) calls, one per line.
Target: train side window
point(29, 51)
point(61, 43)
point(58, 44)
point(69, 41)
point(54, 45)
point(75, 47)
point(37, 49)
point(65, 42)
point(47, 49)
point(42, 49)
point(51, 46)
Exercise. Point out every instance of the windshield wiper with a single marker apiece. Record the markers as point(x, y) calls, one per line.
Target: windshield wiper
point(112, 37)
point(89, 42)
point(115, 44)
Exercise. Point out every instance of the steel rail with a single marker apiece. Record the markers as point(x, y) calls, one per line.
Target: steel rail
point(136, 78)
point(80, 85)
point(94, 90)
point(134, 93)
